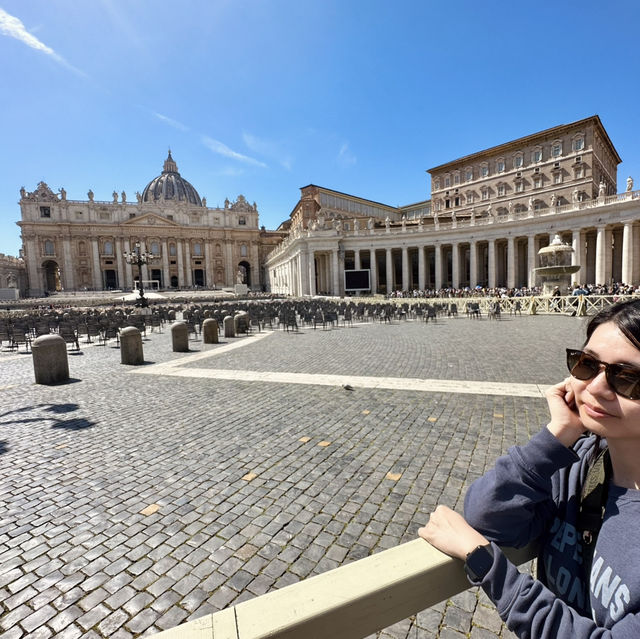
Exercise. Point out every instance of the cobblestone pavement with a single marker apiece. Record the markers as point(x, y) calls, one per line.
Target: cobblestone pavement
point(133, 502)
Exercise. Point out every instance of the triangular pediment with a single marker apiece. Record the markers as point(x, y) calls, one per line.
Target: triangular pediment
point(150, 219)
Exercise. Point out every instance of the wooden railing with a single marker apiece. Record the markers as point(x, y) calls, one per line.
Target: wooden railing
point(349, 602)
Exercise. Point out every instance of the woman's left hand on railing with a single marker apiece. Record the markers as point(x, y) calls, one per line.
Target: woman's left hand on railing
point(448, 531)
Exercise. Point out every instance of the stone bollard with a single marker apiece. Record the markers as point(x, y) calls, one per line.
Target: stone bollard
point(210, 331)
point(50, 362)
point(241, 322)
point(131, 346)
point(229, 326)
point(180, 337)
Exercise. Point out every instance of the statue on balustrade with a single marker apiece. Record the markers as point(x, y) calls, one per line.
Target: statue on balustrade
point(629, 183)
point(115, 196)
point(602, 189)
point(90, 195)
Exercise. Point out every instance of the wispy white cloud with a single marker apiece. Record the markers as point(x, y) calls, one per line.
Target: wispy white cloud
point(14, 28)
point(268, 148)
point(345, 156)
point(231, 171)
point(171, 122)
point(222, 149)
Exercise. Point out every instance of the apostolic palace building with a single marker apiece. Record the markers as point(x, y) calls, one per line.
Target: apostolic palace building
point(488, 216)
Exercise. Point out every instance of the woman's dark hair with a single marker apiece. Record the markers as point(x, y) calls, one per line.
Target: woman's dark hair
point(625, 315)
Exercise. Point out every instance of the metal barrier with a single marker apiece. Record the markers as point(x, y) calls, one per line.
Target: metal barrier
point(349, 602)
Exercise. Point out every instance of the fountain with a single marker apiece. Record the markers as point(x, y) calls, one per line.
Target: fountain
point(555, 268)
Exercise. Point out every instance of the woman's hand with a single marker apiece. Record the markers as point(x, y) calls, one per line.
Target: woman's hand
point(451, 534)
point(565, 423)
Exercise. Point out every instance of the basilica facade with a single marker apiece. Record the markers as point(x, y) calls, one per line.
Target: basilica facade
point(82, 244)
point(488, 215)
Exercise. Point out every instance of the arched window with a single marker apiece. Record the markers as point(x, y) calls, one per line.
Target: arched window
point(108, 248)
point(243, 250)
point(49, 248)
point(172, 250)
point(155, 248)
point(197, 248)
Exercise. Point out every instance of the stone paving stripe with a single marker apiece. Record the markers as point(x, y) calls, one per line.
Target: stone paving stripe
point(304, 440)
point(366, 412)
point(150, 509)
point(394, 476)
point(323, 444)
point(389, 383)
point(59, 446)
point(498, 415)
point(432, 419)
point(249, 476)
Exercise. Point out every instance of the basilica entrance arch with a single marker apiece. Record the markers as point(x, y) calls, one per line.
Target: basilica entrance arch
point(245, 267)
point(51, 276)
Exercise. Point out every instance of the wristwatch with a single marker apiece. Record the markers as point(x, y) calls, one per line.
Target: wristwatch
point(479, 562)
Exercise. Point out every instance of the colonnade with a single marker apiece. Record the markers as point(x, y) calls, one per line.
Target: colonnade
point(398, 260)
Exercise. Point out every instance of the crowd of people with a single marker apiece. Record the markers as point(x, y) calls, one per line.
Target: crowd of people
point(616, 288)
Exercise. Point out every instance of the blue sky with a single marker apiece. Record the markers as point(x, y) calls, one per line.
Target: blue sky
point(261, 97)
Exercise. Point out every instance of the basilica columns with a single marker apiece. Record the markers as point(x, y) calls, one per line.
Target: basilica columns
point(405, 268)
point(373, 265)
point(455, 265)
point(511, 262)
point(421, 268)
point(389, 267)
point(473, 263)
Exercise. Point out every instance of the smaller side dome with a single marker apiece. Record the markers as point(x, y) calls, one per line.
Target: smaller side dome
point(170, 186)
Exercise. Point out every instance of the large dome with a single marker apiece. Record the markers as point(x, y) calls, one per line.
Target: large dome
point(171, 186)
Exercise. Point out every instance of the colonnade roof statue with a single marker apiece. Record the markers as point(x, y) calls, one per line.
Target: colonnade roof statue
point(170, 185)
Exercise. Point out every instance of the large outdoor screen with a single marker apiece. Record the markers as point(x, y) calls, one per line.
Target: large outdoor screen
point(357, 280)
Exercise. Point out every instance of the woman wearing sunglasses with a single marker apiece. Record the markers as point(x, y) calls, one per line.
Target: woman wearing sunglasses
point(588, 578)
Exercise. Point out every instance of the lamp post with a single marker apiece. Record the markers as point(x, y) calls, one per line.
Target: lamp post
point(138, 257)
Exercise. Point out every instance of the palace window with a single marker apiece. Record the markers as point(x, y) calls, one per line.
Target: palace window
point(557, 178)
point(579, 173)
point(456, 178)
point(470, 197)
point(170, 217)
point(242, 220)
point(485, 193)
point(484, 170)
point(538, 205)
point(501, 189)
point(556, 149)
point(436, 184)
point(537, 182)
point(517, 161)
point(578, 144)
point(49, 248)
point(500, 166)
point(469, 175)
point(519, 186)
point(536, 155)
point(45, 211)
point(82, 248)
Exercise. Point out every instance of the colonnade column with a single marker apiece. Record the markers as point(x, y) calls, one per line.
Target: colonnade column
point(492, 264)
point(312, 272)
point(356, 259)
point(601, 250)
point(438, 250)
point(335, 273)
point(373, 265)
point(405, 268)
point(627, 253)
point(389, 272)
point(455, 265)
point(577, 257)
point(97, 273)
point(305, 288)
point(531, 261)
point(421, 269)
point(120, 264)
point(473, 264)
point(511, 262)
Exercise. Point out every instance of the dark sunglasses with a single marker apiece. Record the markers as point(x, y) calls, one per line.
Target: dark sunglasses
point(624, 380)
